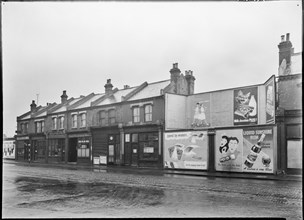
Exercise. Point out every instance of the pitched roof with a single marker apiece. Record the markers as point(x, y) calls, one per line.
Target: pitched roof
point(151, 90)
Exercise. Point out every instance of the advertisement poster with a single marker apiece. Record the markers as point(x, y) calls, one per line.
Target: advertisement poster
point(201, 114)
point(229, 150)
point(245, 106)
point(258, 150)
point(270, 101)
point(186, 150)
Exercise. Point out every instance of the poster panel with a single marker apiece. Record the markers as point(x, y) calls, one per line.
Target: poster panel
point(270, 100)
point(185, 150)
point(229, 150)
point(245, 106)
point(200, 113)
point(258, 157)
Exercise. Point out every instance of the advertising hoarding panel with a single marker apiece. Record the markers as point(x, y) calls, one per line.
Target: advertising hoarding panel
point(175, 111)
point(245, 106)
point(199, 111)
point(238, 150)
point(186, 150)
point(258, 157)
point(229, 150)
point(270, 100)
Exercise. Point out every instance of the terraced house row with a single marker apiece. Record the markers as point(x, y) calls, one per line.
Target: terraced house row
point(249, 129)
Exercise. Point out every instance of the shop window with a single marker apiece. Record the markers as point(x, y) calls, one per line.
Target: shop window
point(61, 121)
point(56, 147)
point(74, 121)
point(54, 123)
point(148, 113)
point(112, 117)
point(83, 148)
point(134, 138)
point(135, 114)
point(148, 146)
point(83, 119)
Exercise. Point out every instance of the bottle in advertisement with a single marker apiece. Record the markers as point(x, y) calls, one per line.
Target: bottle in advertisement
point(255, 150)
point(253, 104)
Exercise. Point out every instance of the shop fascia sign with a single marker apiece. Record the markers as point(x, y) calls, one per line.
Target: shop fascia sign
point(83, 141)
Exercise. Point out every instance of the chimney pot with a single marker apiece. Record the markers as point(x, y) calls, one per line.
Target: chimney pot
point(287, 37)
point(282, 38)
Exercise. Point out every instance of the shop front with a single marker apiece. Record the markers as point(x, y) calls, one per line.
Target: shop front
point(142, 146)
point(106, 148)
point(79, 148)
point(38, 149)
point(22, 148)
point(56, 148)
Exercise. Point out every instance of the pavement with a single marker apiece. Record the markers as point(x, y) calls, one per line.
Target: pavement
point(158, 172)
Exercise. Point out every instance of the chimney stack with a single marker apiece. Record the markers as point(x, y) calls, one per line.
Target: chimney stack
point(190, 81)
point(33, 106)
point(175, 72)
point(64, 97)
point(108, 87)
point(285, 50)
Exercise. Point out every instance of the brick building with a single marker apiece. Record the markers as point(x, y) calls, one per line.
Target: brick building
point(118, 126)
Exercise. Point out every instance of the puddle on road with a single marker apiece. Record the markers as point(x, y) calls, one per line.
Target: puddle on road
point(49, 192)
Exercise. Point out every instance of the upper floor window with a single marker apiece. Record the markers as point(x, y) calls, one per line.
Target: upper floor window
point(39, 125)
point(61, 120)
point(135, 114)
point(83, 119)
point(25, 127)
point(112, 117)
point(42, 126)
point(103, 116)
point(22, 128)
point(148, 112)
point(54, 123)
point(74, 121)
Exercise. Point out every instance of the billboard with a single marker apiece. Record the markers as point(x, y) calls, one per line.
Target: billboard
point(245, 150)
point(245, 106)
point(258, 150)
point(270, 100)
point(229, 150)
point(186, 150)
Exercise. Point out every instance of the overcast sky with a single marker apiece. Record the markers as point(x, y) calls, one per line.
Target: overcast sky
point(49, 47)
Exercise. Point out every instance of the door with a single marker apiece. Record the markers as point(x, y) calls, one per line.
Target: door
point(134, 154)
point(128, 154)
point(72, 150)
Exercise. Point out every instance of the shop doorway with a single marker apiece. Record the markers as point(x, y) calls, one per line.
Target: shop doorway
point(113, 149)
point(131, 150)
point(72, 155)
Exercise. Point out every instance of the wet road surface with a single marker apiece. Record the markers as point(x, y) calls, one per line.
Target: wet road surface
point(50, 192)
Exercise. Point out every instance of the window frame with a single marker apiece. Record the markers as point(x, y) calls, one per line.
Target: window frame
point(61, 122)
point(148, 113)
point(112, 117)
point(83, 120)
point(54, 123)
point(74, 120)
point(134, 115)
